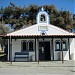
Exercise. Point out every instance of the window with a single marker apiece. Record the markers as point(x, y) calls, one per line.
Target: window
point(24, 45)
point(64, 45)
point(57, 45)
point(31, 45)
point(42, 18)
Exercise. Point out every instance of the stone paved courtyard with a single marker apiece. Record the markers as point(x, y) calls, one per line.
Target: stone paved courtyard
point(33, 68)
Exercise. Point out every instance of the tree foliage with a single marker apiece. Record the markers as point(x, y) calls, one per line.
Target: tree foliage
point(3, 30)
point(24, 16)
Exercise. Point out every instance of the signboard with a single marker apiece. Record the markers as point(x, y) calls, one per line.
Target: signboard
point(43, 28)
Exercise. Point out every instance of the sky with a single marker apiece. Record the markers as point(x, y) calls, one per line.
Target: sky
point(59, 4)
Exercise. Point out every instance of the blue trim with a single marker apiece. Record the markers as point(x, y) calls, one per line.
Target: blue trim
point(65, 46)
point(60, 46)
point(22, 45)
point(56, 45)
point(31, 50)
point(61, 50)
point(44, 12)
point(43, 32)
point(42, 22)
point(38, 15)
point(33, 45)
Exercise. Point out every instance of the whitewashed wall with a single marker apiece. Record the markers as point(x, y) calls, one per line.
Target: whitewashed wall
point(58, 54)
point(72, 48)
point(16, 47)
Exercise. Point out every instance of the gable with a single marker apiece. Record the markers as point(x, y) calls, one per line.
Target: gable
point(54, 30)
point(34, 30)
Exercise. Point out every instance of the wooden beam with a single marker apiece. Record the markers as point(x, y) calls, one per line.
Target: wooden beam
point(52, 49)
point(62, 50)
point(38, 49)
point(35, 49)
point(10, 50)
point(69, 48)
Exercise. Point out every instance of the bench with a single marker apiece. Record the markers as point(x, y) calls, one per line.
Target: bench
point(21, 55)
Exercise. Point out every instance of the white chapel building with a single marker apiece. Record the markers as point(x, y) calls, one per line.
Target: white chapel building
point(41, 42)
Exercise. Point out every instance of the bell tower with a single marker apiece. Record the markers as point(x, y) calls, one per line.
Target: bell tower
point(42, 17)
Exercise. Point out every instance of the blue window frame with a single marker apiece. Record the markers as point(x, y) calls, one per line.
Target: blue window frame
point(57, 45)
point(24, 45)
point(31, 45)
point(65, 45)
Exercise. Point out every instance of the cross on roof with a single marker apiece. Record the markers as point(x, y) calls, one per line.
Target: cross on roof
point(42, 9)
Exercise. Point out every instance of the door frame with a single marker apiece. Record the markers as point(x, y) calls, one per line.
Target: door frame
point(49, 49)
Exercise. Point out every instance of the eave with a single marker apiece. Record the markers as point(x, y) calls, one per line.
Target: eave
point(36, 36)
